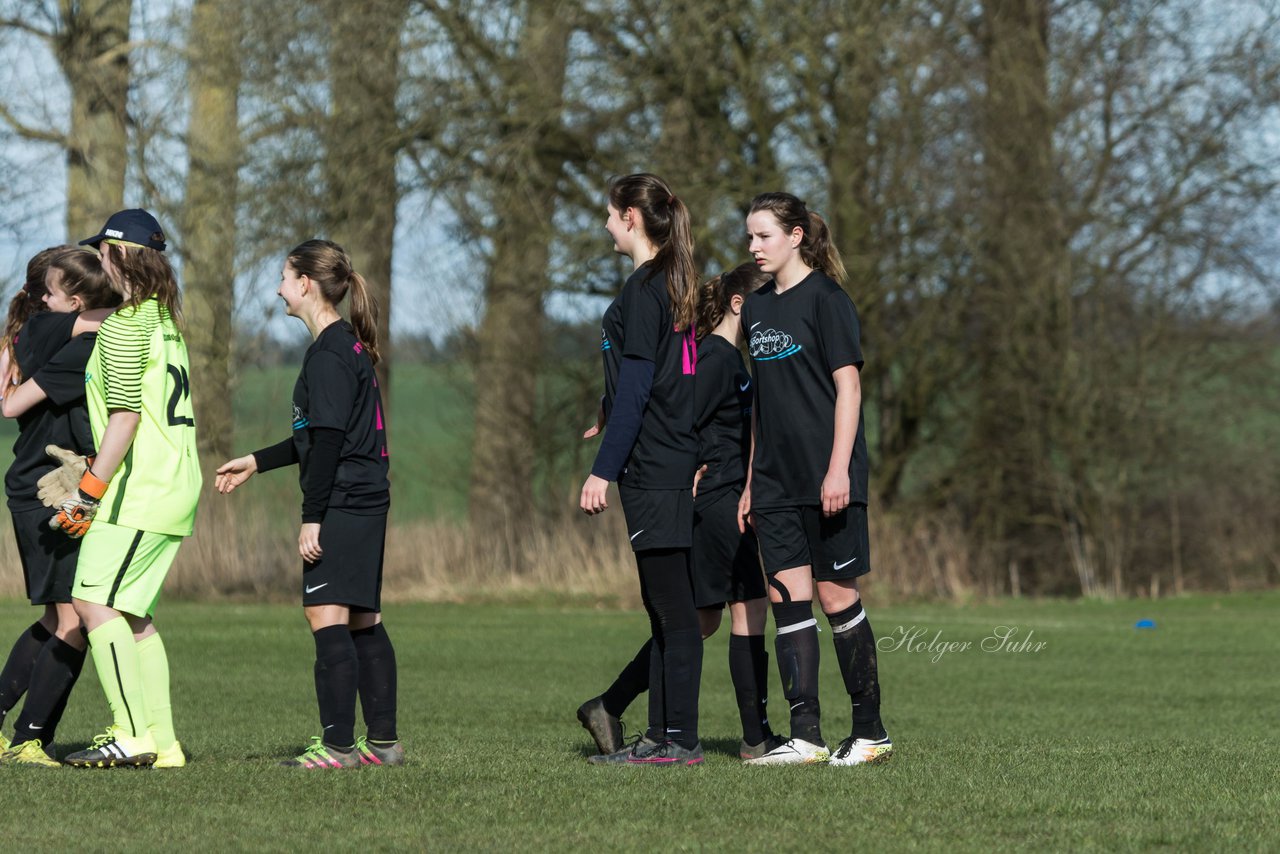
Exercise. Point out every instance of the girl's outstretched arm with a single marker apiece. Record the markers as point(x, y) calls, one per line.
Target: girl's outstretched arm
point(22, 398)
point(89, 321)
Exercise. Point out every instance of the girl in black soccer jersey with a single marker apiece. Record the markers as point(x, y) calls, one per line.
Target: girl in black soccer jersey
point(650, 450)
point(339, 442)
point(726, 566)
point(807, 490)
point(49, 335)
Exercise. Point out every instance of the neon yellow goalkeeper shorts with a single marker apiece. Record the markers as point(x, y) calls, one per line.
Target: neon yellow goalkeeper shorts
point(123, 568)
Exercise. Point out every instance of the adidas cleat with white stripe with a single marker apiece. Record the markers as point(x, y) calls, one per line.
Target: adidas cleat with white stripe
point(114, 749)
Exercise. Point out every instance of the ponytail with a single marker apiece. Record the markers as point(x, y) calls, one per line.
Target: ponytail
point(675, 259)
point(816, 249)
point(29, 299)
point(710, 306)
point(819, 252)
point(717, 293)
point(667, 224)
point(364, 316)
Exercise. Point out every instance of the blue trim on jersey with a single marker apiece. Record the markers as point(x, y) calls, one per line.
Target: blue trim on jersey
point(790, 351)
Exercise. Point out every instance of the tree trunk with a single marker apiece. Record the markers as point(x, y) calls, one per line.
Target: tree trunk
point(93, 51)
point(853, 215)
point(209, 217)
point(510, 336)
point(1020, 308)
point(363, 141)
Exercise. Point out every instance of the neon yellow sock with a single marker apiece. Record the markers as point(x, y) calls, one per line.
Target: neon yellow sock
point(155, 677)
point(115, 657)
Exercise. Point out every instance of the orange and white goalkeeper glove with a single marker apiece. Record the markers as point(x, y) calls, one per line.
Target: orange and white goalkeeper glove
point(76, 513)
point(61, 483)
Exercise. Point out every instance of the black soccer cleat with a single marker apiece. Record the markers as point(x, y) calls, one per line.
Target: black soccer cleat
point(605, 729)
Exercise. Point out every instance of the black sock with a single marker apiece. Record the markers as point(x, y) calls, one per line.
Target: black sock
point(797, 649)
point(856, 651)
point(377, 682)
point(630, 684)
point(749, 671)
point(16, 675)
point(337, 680)
point(676, 658)
point(54, 675)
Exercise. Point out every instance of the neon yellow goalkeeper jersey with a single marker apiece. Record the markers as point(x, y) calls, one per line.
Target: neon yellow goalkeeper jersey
point(140, 364)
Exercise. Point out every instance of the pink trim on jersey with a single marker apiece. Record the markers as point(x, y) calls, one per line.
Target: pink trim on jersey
point(690, 346)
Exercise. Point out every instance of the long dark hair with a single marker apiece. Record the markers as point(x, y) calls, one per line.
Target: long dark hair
point(328, 265)
point(718, 291)
point(816, 248)
point(29, 299)
point(666, 222)
point(148, 274)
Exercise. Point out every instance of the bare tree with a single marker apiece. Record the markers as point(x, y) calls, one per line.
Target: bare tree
point(209, 214)
point(90, 41)
point(363, 140)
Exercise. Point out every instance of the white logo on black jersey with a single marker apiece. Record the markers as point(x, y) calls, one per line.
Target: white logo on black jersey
point(771, 344)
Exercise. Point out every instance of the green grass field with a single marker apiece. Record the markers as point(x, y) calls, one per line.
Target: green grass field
point(1109, 737)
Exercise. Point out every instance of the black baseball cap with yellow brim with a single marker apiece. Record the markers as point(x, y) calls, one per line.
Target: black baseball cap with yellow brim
point(132, 227)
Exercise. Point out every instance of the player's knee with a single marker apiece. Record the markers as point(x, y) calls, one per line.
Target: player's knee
point(836, 596)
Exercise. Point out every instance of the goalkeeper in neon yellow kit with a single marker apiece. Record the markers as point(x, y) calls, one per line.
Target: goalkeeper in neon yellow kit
point(138, 499)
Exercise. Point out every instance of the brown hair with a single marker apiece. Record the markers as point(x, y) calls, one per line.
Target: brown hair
point(815, 248)
point(29, 299)
point(717, 292)
point(148, 274)
point(328, 265)
point(666, 222)
point(83, 276)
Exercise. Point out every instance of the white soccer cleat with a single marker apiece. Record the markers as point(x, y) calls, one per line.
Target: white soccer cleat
point(797, 751)
point(862, 751)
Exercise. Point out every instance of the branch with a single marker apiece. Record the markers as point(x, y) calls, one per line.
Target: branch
point(27, 132)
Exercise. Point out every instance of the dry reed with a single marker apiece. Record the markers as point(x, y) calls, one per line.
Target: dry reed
point(247, 556)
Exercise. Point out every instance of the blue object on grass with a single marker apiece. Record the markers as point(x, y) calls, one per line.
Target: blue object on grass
point(1145, 624)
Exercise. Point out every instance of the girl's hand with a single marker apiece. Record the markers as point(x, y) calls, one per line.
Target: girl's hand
point(8, 373)
point(835, 492)
point(697, 478)
point(593, 498)
point(594, 430)
point(309, 542)
point(744, 510)
point(235, 472)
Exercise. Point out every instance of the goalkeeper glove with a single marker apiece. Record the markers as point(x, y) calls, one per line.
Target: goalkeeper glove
point(75, 514)
point(61, 483)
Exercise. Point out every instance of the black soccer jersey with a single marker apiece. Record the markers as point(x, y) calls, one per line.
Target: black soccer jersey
point(639, 323)
point(796, 340)
point(47, 353)
point(723, 414)
point(338, 389)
